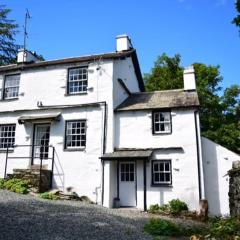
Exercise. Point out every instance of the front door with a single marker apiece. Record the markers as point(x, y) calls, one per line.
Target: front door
point(127, 184)
point(40, 142)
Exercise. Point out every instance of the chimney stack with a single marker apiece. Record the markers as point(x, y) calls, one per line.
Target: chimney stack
point(123, 43)
point(25, 56)
point(189, 79)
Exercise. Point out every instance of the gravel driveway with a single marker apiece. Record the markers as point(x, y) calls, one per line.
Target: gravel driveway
point(27, 217)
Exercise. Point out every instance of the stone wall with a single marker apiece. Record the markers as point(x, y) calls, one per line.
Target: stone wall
point(234, 189)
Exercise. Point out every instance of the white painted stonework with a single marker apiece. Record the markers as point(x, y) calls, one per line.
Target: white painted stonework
point(198, 166)
point(217, 161)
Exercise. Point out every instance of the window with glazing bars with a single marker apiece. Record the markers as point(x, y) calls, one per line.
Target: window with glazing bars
point(11, 86)
point(127, 172)
point(75, 134)
point(77, 80)
point(161, 122)
point(161, 172)
point(7, 135)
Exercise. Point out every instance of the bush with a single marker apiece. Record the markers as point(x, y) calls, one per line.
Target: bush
point(154, 208)
point(14, 185)
point(164, 207)
point(160, 227)
point(49, 196)
point(2, 181)
point(225, 228)
point(176, 206)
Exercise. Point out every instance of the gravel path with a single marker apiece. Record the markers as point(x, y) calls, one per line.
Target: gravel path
point(27, 217)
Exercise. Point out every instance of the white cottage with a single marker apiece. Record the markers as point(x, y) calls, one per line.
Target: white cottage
point(90, 123)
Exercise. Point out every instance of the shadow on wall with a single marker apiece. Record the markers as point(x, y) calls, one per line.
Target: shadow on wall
point(211, 176)
point(59, 176)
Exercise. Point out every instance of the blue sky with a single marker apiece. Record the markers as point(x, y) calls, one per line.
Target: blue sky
point(201, 31)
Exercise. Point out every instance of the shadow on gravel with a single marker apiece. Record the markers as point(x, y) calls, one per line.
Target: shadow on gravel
point(35, 219)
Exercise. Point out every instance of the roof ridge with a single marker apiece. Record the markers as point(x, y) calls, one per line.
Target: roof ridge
point(160, 91)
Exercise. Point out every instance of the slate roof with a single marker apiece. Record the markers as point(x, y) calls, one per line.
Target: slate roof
point(159, 99)
point(121, 154)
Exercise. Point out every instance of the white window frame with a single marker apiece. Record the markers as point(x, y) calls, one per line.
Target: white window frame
point(78, 79)
point(69, 134)
point(160, 122)
point(9, 140)
point(159, 172)
point(12, 87)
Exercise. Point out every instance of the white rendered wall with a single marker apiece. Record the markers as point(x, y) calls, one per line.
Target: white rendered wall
point(78, 169)
point(136, 132)
point(217, 160)
point(124, 70)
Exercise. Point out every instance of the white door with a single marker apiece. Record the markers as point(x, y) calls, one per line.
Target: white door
point(127, 184)
point(41, 142)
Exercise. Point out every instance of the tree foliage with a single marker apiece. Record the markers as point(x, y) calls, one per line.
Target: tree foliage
point(8, 30)
point(219, 114)
point(236, 20)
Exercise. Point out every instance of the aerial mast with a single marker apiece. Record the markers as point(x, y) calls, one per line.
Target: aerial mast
point(27, 16)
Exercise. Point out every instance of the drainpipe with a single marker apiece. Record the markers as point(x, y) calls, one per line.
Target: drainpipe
point(199, 157)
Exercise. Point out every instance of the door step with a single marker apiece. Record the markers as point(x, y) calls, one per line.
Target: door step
point(33, 178)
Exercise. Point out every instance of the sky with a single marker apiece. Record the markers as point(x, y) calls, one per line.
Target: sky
point(200, 31)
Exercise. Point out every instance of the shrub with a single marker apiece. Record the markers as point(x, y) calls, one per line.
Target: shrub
point(154, 208)
point(15, 185)
point(160, 227)
point(225, 228)
point(164, 207)
point(2, 181)
point(49, 196)
point(176, 206)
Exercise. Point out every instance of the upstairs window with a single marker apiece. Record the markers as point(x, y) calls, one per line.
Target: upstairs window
point(75, 137)
point(77, 80)
point(161, 172)
point(11, 86)
point(7, 135)
point(162, 122)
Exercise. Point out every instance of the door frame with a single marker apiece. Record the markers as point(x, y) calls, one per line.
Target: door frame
point(33, 138)
point(118, 178)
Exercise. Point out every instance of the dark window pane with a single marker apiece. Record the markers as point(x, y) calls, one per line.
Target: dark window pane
point(155, 167)
point(131, 176)
point(122, 177)
point(167, 167)
point(132, 167)
point(167, 176)
point(156, 177)
point(161, 177)
point(161, 167)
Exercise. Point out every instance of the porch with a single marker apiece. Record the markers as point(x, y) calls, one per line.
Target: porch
point(125, 169)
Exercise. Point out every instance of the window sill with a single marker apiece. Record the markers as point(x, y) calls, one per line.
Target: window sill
point(74, 149)
point(162, 185)
point(5, 150)
point(75, 94)
point(9, 99)
point(162, 133)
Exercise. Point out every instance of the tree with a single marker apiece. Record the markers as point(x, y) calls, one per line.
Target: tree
point(8, 30)
point(219, 115)
point(236, 20)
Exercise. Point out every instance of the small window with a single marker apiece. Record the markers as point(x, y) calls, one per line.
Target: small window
point(75, 134)
point(161, 172)
point(127, 172)
point(7, 135)
point(77, 80)
point(11, 86)
point(161, 122)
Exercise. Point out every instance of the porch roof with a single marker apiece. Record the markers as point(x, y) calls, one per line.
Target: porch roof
point(128, 154)
point(32, 118)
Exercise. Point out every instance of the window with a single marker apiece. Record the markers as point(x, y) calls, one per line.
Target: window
point(75, 134)
point(161, 122)
point(7, 135)
point(11, 86)
point(77, 80)
point(127, 172)
point(161, 172)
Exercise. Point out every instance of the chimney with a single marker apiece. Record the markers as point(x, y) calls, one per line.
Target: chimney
point(189, 79)
point(123, 43)
point(25, 56)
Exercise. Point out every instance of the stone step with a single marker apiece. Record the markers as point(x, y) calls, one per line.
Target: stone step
point(33, 177)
